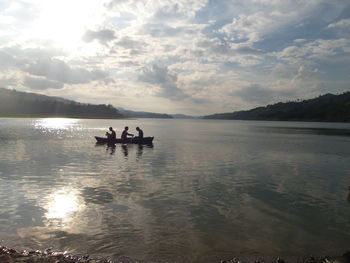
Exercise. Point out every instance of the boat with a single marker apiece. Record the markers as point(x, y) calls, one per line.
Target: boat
point(144, 140)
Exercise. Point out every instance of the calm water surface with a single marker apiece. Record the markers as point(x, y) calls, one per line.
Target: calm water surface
point(207, 190)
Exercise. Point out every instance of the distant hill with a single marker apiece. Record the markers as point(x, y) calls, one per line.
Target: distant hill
point(328, 108)
point(23, 104)
point(182, 116)
point(144, 114)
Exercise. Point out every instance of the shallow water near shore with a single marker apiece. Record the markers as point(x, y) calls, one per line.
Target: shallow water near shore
point(206, 190)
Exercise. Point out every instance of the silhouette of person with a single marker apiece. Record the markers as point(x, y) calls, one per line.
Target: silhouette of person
point(112, 135)
point(125, 133)
point(140, 132)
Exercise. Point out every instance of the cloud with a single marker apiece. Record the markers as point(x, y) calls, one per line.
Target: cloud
point(319, 49)
point(166, 80)
point(342, 27)
point(6, 60)
point(272, 23)
point(7, 82)
point(236, 53)
point(344, 24)
point(258, 94)
point(19, 12)
point(42, 84)
point(245, 49)
point(129, 43)
point(102, 35)
point(58, 70)
point(161, 30)
point(6, 19)
point(146, 8)
point(15, 57)
point(169, 13)
point(128, 64)
point(214, 46)
point(222, 52)
point(40, 62)
point(25, 53)
point(247, 28)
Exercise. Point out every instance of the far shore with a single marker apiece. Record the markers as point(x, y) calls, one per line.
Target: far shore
point(27, 116)
point(59, 116)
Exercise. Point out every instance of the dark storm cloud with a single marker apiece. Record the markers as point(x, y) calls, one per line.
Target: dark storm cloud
point(166, 80)
point(103, 35)
point(42, 84)
point(60, 71)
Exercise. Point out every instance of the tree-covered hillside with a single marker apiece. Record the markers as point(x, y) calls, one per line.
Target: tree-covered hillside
point(144, 114)
point(22, 104)
point(329, 107)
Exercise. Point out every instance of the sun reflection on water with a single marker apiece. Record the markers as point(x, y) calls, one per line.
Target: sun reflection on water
point(62, 205)
point(55, 123)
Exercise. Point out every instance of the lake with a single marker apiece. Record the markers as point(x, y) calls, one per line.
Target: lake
point(206, 190)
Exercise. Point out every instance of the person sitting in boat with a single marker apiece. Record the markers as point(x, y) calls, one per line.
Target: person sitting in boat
point(112, 135)
point(125, 133)
point(140, 133)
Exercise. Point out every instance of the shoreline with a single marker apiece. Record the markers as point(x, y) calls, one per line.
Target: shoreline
point(58, 116)
point(196, 118)
point(10, 255)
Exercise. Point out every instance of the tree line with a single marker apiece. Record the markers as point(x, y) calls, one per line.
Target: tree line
point(328, 108)
point(15, 103)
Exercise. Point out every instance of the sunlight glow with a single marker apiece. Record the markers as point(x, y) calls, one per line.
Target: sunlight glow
point(62, 204)
point(64, 22)
point(55, 123)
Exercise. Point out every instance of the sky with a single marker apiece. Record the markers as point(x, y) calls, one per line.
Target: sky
point(192, 57)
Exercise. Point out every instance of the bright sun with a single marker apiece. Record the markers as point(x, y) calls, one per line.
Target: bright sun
point(65, 21)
